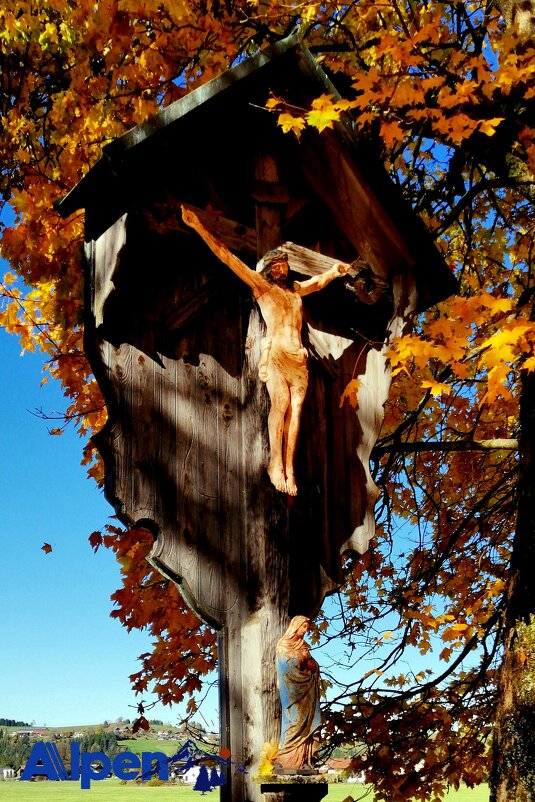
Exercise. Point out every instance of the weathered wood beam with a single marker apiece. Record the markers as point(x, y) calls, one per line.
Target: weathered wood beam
point(271, 198)
point(305, 261)
point(191, 307)
point(236, 236)
point(362, 281)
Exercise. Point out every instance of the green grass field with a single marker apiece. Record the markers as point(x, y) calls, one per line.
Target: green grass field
point(139, 745)
point(111, 791)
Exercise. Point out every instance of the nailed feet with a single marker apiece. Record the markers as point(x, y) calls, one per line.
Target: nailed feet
point(281, 483)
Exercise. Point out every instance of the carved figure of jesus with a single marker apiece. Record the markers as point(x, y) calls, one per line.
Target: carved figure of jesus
point(283, 362)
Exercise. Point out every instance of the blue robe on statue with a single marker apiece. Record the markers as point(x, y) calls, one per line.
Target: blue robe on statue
point(298, 680)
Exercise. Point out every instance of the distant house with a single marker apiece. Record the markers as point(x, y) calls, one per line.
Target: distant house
point(344, 765)
point(121, 732)
point(32, 732)
point(190, 776)
point(8, 774)
point(164, 735)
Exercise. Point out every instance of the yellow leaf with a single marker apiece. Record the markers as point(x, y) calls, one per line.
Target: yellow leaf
point(437, 388)
point(496, 305)
point(488, 127)
point(496, 383)
point(323, 103)
point(502, 346)
point(268, 756)
point(529, 364)
point(322, 118)
point(289, 123)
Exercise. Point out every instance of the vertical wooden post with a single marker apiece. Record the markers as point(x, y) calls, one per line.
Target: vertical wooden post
point(250, 713)
point(270, 199)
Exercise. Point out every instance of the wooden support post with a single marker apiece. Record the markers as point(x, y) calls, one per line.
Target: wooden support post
point(250, 712)
point(270, 200)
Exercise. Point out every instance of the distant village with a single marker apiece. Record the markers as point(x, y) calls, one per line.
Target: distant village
point(16, 743)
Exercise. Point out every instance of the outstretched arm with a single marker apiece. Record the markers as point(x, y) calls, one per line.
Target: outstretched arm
point(254, 280)
point(321, 281)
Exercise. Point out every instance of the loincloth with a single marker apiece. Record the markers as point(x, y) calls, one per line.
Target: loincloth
point(291, 365)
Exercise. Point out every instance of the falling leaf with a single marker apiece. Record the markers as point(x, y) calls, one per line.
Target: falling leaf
point(140, 723)
point(95, 540)
point(350, 393)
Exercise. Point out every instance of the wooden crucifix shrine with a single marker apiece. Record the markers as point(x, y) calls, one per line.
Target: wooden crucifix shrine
point(175, 340)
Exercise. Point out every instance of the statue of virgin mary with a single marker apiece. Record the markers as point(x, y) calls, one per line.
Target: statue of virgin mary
point(298, 680)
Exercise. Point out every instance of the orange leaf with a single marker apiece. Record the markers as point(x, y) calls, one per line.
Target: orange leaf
point(351, 393)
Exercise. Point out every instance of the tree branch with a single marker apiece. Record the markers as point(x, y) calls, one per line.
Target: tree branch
point(503, 444)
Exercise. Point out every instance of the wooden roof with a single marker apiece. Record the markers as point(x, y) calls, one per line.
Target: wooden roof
point(214, 130)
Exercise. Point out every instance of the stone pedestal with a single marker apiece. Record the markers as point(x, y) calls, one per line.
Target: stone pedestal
point(307, 791)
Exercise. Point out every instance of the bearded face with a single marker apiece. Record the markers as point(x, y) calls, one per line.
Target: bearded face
point(276, 271)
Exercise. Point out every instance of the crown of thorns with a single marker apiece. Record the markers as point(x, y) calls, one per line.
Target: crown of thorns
point(276, 255)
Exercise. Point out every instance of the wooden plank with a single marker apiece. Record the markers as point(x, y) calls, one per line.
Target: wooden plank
point(207, 486)
point(145, 500)
point(184, 556)
point(119, 490)
point(107, 251)
point(372, 395)
point(266, 576)
point(231, 511)
point(268, 213)
point(304, 260)
point(165, 451)
point(238, 237)
point(191, 306)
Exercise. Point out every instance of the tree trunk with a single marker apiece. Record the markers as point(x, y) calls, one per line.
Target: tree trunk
point(519, 14)
point(513, 765)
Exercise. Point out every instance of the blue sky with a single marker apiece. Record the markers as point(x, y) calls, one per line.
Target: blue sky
point(63, 660)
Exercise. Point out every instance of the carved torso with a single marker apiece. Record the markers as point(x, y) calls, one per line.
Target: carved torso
point(282, 311)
